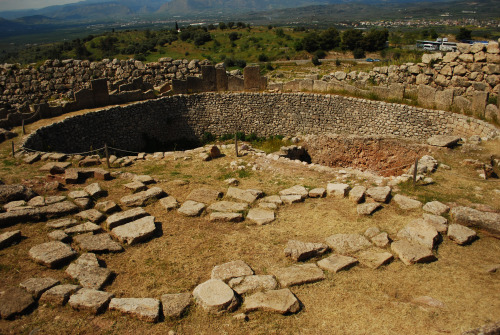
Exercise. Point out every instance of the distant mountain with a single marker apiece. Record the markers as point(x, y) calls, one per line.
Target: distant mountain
point(36, 19)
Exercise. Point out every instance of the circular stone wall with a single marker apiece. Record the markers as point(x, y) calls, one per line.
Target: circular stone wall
point(181, 119)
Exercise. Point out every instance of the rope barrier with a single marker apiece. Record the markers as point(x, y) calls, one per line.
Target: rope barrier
point(121, 150)
point(76, 153)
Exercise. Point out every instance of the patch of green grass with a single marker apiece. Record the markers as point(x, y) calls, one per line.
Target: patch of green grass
point(272, 144)
point(244, 173)
point(9, 162)
point(174, 173)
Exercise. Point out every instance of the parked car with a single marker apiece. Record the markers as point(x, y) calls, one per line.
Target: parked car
point(369, 60)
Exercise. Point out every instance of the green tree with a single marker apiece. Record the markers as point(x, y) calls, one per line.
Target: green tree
point(234, 36)
point(329, 39)
point(464, 34)
point(311, 42)
point(352, 39)
point(222, 26)
point(280, 33)
point(230, 25)
point(375, 40)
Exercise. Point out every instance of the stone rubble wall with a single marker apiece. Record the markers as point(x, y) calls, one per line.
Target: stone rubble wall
point(188, 117)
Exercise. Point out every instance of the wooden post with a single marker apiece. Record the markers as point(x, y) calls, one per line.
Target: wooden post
point(24, 131)
point(107, 154)
point(415, 172)
point(236, 143)
point(13, 149)
point(484, 171)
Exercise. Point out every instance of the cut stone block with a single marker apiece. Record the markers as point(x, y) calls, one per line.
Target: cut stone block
point(371, 232)
point(92, 215)
point(135, 231)
point(145, 309)
point(244, 195)
point(175, 305)
point(225, 217)
point(374, 259)
point(410, 252)
point(97, 243)
point(336, 263)
point(84, 203)
point(87, 227)
point(59, 295)
point(438, 222)
point(89, 276)
point(295, 190)
point(136, 186)
point(420, 232)
point(273, 199)
point(204, 195)
point(406, 203)
point(436, 208)
point(130, 215)
point(191, 208)
point(169, 203)
point(36, 286)
point(89, 299)
point(301, 251)
point(299, 275)
point(215, 296)
point(245, 284)
point(292, 198)
point(230, 270)
point(472, 217)
point(59, 235)
point(95, 190)
point(145, 179)
point(78, 194)
point(280, 301)
point(338, 190)
point(379, 194)
point(62, 223)
point(381, 240)
point(140, 198)
point(347, 243)
point(461, 234)
point(9, 238)
point(52, 254)
point(107, 207)
point(228, 207)
point(15, 301)
point(443, 140)
point(317, 192)
point(357, 194)
point(368, 208)
point(260, 216)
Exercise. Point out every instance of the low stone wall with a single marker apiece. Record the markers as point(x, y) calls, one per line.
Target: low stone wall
point(184, 118)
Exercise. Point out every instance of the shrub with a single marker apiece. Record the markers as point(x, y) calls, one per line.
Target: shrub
point(358, 53)
point(315, 61)
point(263, 58)
point(207, 137)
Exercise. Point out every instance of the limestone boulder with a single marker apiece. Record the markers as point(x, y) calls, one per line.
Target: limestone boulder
point(215, 296)
point(135, 231)
point(9, 238)
point(379, 193)
point(227, 207)
point(36, 286)
point(438, 222)
point(191, 208)
point(420, 232)
point(260, 216)
point(338, 190)
point(295, 190)
point(410, 252)
point(280, 301)
point(406, 203)
point(475, 218)
point(231, 269)
point(357, 194)
point(174, 306)
point(100, 243)
point(59, 294)
point(248, 196)
point(374, 258)
point(204, 195)
point(145, 309)
point(90, 300)
point(130, 215)
point(436, 208)
point(300, 251)
point(368, 208)
point(460, 234)
point(443, 140)
point(140, 198)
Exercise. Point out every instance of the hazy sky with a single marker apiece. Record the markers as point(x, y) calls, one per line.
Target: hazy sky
point(27, 4)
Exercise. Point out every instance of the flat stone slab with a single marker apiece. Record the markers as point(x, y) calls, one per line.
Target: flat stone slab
point(59, 294)
point(228, 207)
point(169, 203)
point(78, 194)
point(273, 199)
point(89, 276)
point(460, 234)
point(260, 216)
point(301, 251)
point(191, 208)
point(471, 217)
point(406, 203)
point(368, 208)
point(299, 275)
point(136, 186)
point(336, 263)
point(381, 240)
point(230, 270)
point(420, 232)
point(135, 231)
point(59, 209)
point(215, 296)
point(91, 300)
point(204, 195)
point(318, 192)
point(280, 301)
point(338, 190)
point(244, 195)
point(374, 258)
point(443, 140)
point(15, 192)
point(140, 198)
point(245, 284)
point(120, 218)
point(52, 254)
point(145, 179)
point(145, 309)
point(9, 238)
point(59, 165)
point(175, 305)
point(438, 222)
point(15, 301)
point(99, 243)
point(87, 227)
point(357, 194)
point(62, 223)
point(107, 207)
point(436, 208)
point(36, 286)
point(292, 198)
point(95, 190)
point(410, 252)
point(347, 243)
point(295, 190)
point(379, 193)
point(59, 235)
point(225, 217)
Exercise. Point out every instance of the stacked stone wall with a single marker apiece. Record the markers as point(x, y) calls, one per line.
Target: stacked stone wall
point(187, 117)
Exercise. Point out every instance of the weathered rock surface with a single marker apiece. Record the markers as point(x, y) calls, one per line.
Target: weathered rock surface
point(298, 275)
point(130, 215)
point(374, 258)
point(59, 294)
point(140, 198)
point(135, 231)
point(95, 190)
point(89, 276)
point(89, 299)
point(9, 238)
point(461, 234)
point(145, 179)
point(169, 203)
point(245, 284)
point(301, 251)
point(145, 309)
point(318, 192)
point(136, 186)
point(107, 207)
point(97, 243)
point(472, 217)
point(62, 223)
point(227, 207)
point(379, 193)
point(10, 193)
point(436, 208)
point(204, 195)
point(357, 194)
point(443, 140)
point(295, 190)
point(36, 286)
point(368, 208)
point(260, 216)
point(381, 240)
point(292, 198)
point(280, 301)
point(231, 269)
point(406, 203)
point(87, 227)
point(410, 252)
point(420, 232)
point(244, 195)
point(336, 263)
point(215, 296)
point(347, 243)
point(52, 254)
point(15, 301)
point(438, 222)
point(191, 208)
point(37, 214)
point(175, 305)
point(337, 190)
point(225, 217)
point(272, 199)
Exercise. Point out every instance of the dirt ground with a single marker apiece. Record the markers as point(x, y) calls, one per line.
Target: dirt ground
point(182, 255)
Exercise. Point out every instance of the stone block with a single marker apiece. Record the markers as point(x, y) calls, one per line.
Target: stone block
point(179, 86)
point(221, 80)
point(444, 99)
point(100, 92)
point(426, 96)
point(208, 74)
point(462, 104)
point(235, 84)
point(195, 85)
point(84, 99)
point(478, 105)
point(251, 77)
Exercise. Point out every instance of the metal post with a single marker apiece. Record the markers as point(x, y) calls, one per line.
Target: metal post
point(107, 154)
point(236, 143)
point(13, 149)
point(24, 131)
point(415, 172)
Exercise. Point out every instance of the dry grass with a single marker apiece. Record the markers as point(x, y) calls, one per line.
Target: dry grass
point(359, 301)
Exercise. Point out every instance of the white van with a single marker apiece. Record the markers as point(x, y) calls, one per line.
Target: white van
point(429, 47)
